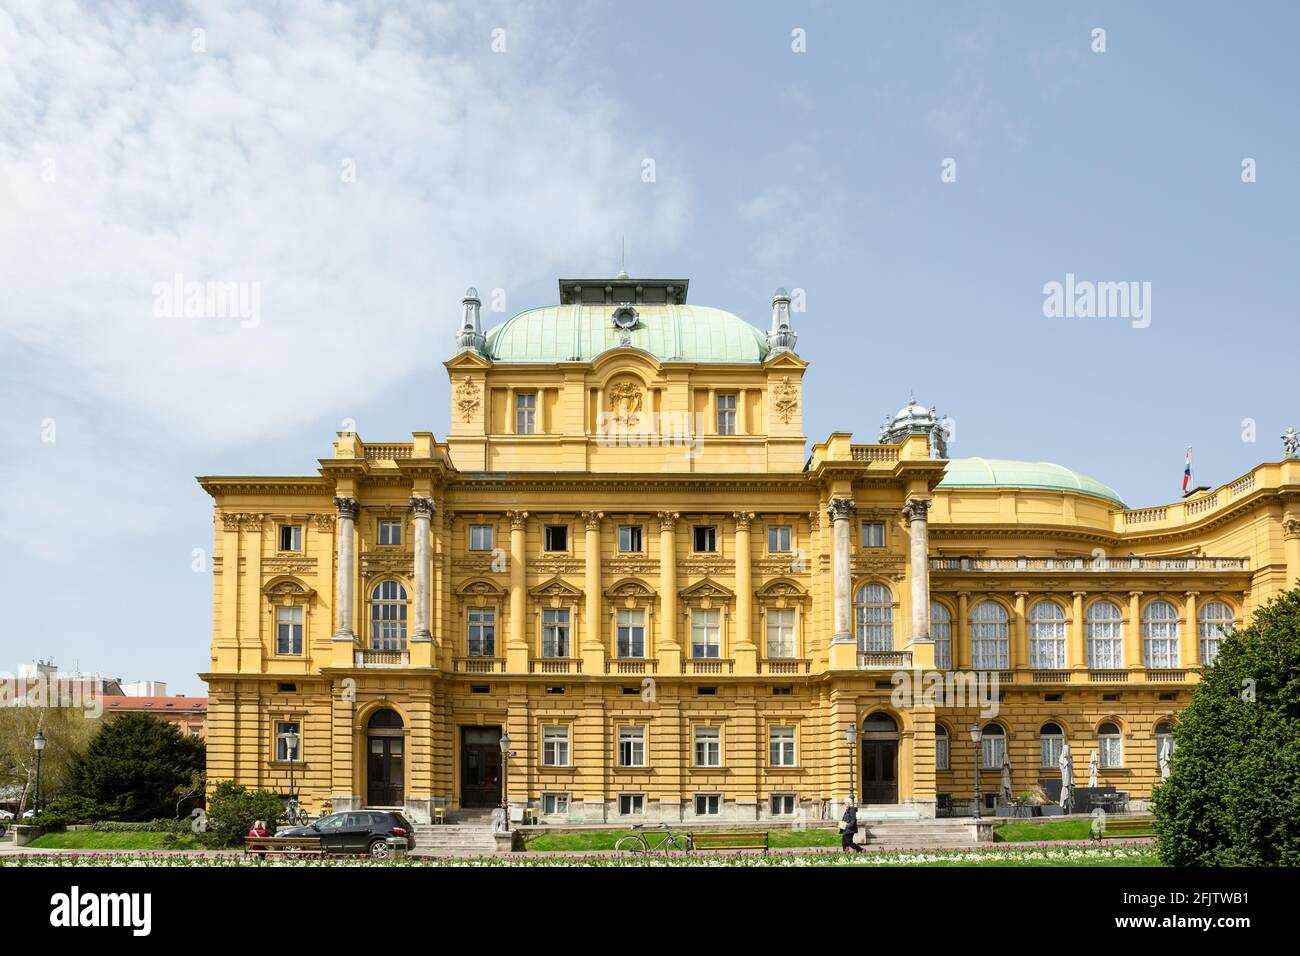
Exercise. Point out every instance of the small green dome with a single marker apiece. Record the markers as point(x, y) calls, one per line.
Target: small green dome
point(671, 333)
point(1005, 473)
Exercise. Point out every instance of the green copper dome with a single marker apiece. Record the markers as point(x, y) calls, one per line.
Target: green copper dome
point(671, 333)
point(1004, 473)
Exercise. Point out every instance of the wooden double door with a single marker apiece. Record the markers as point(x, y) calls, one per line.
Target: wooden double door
point(385, 771)
point(880, 771)
point(480, 766)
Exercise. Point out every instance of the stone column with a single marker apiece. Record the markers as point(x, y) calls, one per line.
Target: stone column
point(1291, 546)
point(669, 650)
point(841, 514)
point(593, 648)
point(1133, 657)
point(916, 512)
point(746, 652)
point(963, 651)
point(1189, 640)
point(1020, 656)
point(347, 508)
point(423, 511)
point(1077, 656)
point(517, 642)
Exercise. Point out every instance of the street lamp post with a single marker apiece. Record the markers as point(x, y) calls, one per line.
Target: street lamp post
point(976, 736)
point(291, 739)
point(504, 743)
point(38, 744)
point(851, 738)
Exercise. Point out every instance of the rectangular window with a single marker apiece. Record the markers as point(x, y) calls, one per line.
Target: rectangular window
point(390, 531)
point(706, 632)
point(555, 632)
point(631, 632)
point(778, 539)
point(631, 804)
point(873, 534)
point(556, 537)
point(726, 413)
point(784, 804)
point(290, 537)
point(482, 638)
point(781, 747)
point(555, 804)
point(631, 746)
point(555, 746)
point(708, 746)
point(629, 539)
point(706, 539)
point(480, 537)
point(288, 630)
point(780, 632)
point(284, 729)
point(525, 413)
point(708, 804)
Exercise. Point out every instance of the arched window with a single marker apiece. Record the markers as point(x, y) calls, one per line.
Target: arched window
point(875, 614)
point(1216, 622)
point(1160, 635)
point(990, 637)
point(385, 719)
point(1111, 745)
point(1047, 636)
point(879, 723)
point(1105, 630)
point(941, 631)
point(941, 751)
point(388, 616)
point(1050, 741)
point(993, 746)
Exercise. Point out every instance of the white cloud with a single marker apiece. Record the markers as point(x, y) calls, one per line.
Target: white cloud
point(225, 166)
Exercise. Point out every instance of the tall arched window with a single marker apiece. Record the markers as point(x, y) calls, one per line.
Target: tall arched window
point(942, 755)
point(993, 746)
point(941, 631)
point(875, 615)
point(1216, 622)
point(1105, 629)
point(1047, 636)
point(990, 637)
point(1111, 745)
point(1050, 741)
point(388, 616)
point(1160, 635)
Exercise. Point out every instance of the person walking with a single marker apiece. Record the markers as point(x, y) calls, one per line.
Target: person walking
point(849, 827)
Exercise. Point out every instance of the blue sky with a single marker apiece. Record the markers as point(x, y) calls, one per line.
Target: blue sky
point(128, 156)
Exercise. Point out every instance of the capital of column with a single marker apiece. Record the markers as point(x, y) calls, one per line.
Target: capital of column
point(743, 518)
point(422, 507)
point(916, 509)
point(592, 519)
point(518, 519)
point(667, 520)
point(841, 509)
point(1291, 527)
point(347, 508)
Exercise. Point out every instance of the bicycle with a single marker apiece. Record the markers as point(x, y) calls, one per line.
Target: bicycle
point(294, 815)
point(637, 842)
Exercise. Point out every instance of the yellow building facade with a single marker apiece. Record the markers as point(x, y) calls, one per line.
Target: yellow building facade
point(624, 559)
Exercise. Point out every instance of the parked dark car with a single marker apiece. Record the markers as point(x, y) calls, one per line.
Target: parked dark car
point(379, 833)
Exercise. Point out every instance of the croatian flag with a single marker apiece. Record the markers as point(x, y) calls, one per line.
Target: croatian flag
point(1187, 470)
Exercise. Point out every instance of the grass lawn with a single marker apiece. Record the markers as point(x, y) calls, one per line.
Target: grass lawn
point(104, 840)
point(586, 840)
point(1038, 832)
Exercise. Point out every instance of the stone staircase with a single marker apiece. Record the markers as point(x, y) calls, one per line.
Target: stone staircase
point(466, 833)
point(918, 833)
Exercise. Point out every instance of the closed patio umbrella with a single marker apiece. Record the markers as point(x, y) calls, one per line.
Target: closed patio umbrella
point(1093, 765)
point(1066, 763)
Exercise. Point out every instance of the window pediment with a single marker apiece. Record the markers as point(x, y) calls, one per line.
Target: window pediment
point(479, 587)
point(288, 591)
point(706, 593)
point(557, 590)
point(630, 591)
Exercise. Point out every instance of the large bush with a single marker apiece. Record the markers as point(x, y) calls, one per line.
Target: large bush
point(232, 808)
point(67, 809)
point(135, 766)
point(1233, 794)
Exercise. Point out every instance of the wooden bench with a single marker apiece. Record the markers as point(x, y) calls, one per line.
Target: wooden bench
point(284, 846)
point(1119, 828)
point(729, 840)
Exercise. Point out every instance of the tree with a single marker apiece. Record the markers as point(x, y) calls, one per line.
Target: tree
point(1233, 794)
point(135, 765)
point(232, 808)
point(67, 730)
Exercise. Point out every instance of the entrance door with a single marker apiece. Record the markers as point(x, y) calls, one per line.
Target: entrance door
point(480, 766)
point(880, 771)
point(384, 772)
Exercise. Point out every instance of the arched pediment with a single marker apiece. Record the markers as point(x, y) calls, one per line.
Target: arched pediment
point(480, 586)
point(629, 588)
point(625, 359)
point(786, 588)
point(287, 590)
